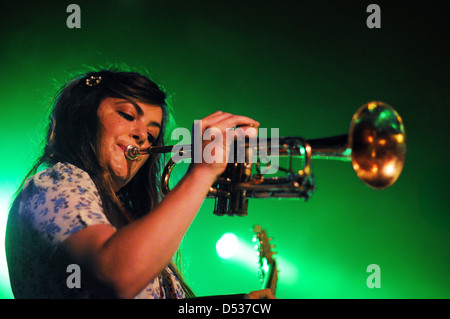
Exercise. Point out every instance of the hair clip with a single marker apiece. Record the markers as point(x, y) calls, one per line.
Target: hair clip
point(93, 80)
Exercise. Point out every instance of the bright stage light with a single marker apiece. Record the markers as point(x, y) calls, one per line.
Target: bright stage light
point(227, 245)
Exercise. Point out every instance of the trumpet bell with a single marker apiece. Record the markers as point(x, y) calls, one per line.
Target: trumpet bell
point(378, 143)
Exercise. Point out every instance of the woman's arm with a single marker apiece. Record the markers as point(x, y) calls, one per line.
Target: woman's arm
point(128, 259)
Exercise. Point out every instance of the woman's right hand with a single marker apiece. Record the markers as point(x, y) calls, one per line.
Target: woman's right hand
point(216, 143)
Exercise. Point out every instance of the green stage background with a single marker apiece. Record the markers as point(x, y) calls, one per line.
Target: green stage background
point(302, 67)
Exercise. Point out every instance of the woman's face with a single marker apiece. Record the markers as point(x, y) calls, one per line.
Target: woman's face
point(124, 123)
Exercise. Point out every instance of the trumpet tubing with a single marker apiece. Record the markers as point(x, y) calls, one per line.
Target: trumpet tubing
point(375, 145)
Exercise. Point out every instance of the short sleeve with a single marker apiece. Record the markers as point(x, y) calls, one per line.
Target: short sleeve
point(60, 201)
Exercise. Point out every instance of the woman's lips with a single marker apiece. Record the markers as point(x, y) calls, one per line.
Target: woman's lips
point(124, 148)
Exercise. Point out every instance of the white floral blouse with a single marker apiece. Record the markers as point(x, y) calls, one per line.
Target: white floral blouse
point(53, 205)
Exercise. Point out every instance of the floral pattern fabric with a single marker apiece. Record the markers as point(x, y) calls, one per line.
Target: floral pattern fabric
point(53, 205)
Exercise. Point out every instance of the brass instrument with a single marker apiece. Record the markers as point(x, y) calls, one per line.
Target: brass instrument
point(375, 144)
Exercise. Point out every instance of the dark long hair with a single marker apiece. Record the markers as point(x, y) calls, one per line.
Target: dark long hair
point(74, 132)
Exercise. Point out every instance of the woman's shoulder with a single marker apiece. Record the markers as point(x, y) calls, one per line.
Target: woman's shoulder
point(59, 175)
point(61, 200)
point(62, 172)
point(61, 179)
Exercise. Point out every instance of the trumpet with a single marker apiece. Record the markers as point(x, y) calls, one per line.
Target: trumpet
point(375, 145)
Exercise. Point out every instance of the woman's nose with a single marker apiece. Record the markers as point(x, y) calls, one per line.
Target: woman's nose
point(139, 134)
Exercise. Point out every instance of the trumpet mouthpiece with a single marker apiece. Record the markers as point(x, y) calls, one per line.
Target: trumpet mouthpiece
point(132, 152)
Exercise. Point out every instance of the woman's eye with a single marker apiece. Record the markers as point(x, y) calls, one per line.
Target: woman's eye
point(126, 116)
